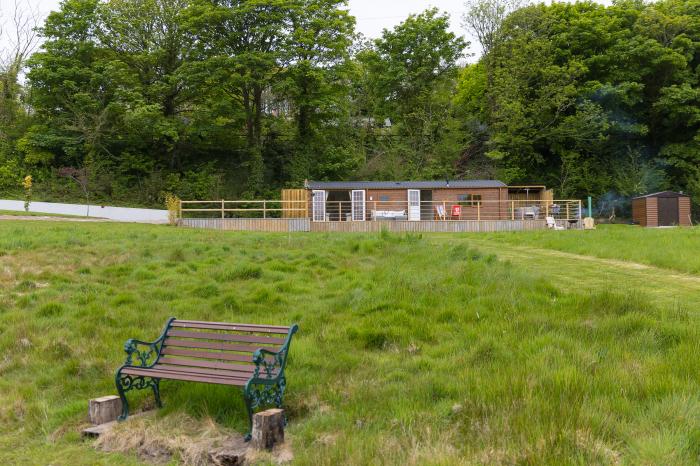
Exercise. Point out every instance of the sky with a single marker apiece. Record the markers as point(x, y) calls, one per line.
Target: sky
point(372, 15)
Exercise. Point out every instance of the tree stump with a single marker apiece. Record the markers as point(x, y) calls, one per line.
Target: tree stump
point(104, 409)
point(268, 429)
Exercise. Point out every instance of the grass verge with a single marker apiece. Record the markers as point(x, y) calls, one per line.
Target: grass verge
point(410, 352)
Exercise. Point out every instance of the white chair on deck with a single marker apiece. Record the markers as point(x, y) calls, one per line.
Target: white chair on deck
point(440, 210)
point(552, 224)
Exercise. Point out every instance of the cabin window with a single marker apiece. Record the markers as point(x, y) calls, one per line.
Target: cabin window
point(469, 200)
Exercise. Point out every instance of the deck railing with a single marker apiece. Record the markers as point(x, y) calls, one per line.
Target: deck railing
point(244, 209)
point(387, 210)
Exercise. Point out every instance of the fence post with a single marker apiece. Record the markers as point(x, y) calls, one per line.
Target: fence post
point(264, 209)
point(478, 211)
point(546, 209)
point(567, 211)
point(512, 210)
point(223, 212)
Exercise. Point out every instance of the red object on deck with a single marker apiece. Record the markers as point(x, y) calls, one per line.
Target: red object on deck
point(457, 211)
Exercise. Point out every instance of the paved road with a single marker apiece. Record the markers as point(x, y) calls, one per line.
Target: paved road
point(124, 214)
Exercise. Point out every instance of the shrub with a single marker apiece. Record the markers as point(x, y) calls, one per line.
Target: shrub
point(172, 203)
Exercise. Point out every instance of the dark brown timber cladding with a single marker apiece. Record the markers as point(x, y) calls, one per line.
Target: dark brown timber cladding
point(652, 212)
point(684, 211)
point(397, 199)
point(386, 199)
point(639, 211)
point(490, 208)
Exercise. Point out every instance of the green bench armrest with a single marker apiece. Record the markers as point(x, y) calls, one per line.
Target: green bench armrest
point(144, 353)
point(269, 365)
point(141, 353)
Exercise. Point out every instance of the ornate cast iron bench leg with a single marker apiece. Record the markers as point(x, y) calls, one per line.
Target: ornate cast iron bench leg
point(249, 408)
point(122, 394)
point(126, 383)
point(140, 354)
point(259, 393)
point(156, 392)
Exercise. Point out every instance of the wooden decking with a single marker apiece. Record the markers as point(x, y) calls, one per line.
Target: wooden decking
point(437, 226)
point(306, 225)
point(281, 225)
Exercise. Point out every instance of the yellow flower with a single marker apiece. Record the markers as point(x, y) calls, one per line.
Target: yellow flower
point(27, 183)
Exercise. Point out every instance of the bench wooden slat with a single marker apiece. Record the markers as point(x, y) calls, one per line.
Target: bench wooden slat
point(231, 324)
point(199, 371)
point(226, 337)
point(207, 364)
point(204, 371)
point(238, 327)
point(170, 375)
point(215, 345)
point(174, 351)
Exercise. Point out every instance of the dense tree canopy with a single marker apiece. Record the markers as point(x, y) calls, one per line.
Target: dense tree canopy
point(229, 98)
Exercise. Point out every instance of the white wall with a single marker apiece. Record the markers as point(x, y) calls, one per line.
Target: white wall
point(123, 214)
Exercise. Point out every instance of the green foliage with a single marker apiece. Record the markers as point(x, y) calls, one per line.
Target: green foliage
point(590, 99)
point(228, 98)
point(411, 71)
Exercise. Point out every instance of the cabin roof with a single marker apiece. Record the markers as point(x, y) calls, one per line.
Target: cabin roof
point(330, 185)
point(662, 194)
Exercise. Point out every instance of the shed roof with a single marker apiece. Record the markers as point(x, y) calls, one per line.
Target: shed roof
point(404, 184)
point(662, 194)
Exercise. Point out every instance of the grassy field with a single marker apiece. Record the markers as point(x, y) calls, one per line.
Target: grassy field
point(441, 349)
point(675, 249)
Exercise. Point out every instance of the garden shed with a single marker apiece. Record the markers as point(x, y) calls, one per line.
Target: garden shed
point(663, 209)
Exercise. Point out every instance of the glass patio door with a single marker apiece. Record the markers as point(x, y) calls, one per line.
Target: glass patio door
point(319, 206)
point(414, 205)
point(358, 206)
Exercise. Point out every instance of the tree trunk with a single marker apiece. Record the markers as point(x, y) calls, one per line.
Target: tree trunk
point(256, 164)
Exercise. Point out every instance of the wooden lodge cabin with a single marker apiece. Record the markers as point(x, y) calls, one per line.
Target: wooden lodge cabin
point(398, 206)
point(358, 201)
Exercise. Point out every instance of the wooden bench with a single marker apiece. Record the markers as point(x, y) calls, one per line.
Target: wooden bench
point(242, 355)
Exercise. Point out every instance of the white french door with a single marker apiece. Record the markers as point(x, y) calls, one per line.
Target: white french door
point(358, 206)
point(414, 205)
point(319, 206)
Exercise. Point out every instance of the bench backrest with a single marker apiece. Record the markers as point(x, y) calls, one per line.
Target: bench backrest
point(217, 345)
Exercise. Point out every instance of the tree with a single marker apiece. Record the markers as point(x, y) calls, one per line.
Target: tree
point(243, 41)
point(315, 78)
point(484, 19)
point(81, 176)
point(414, 67)
point(71, 87)
point(20, 39)
point(150, 48)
